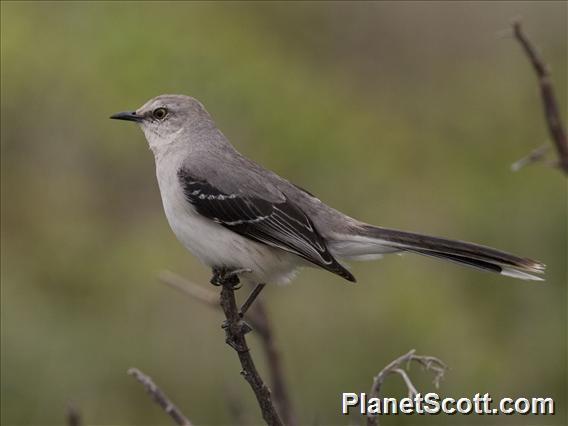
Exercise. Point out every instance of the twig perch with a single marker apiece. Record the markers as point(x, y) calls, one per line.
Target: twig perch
point(551, 110)
point(160, 397)
point(257, 317)
point(397, 366)
point(235, 330)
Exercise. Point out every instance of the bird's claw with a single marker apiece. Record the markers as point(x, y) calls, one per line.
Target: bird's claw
point(230, 277)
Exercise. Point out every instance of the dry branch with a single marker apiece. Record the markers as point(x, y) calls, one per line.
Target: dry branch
point(235, 330)
point(551, 110)
point(397, 366)
point(257, 317)
point(534, 156)
point(160, 397)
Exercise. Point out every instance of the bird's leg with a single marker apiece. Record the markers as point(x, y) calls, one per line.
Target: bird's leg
point(251, 298)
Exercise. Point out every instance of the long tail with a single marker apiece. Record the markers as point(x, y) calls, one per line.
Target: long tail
point(372, 240)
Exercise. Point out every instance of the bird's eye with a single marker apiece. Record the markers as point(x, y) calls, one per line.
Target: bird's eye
point(160, 113)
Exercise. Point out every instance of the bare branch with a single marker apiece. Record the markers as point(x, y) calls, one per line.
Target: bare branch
point(551, 110)
point(160, 397)
point(429, 363)
point(235, 330)
point(258, 318)
point(251, 298)
point(410, 386)
point(534, 156)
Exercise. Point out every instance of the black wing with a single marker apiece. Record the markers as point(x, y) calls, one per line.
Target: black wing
point(281, 225)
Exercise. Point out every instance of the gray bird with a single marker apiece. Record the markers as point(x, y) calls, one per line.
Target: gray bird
point(234, 214)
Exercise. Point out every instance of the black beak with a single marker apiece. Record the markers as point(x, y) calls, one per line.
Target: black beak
point(128, 116)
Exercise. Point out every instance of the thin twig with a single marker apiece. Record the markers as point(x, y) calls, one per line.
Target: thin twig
point(397, 366)
point(258, 318)
point(251, 298)
point(551, 110)
point(235, 330)
point(160, 397)
point(534, 156)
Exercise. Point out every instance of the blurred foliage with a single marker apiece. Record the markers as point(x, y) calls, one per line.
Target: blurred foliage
point(401, 114)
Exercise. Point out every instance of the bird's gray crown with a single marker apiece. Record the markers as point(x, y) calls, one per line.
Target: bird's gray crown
point(169, 118)
point(174, 110)
point(174, 103)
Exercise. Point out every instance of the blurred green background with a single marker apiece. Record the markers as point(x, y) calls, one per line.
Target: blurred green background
point(406, 115)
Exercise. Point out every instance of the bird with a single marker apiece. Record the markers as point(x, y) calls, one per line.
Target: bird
point(235, 215)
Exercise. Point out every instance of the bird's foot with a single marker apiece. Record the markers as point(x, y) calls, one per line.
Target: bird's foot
point(228, 277)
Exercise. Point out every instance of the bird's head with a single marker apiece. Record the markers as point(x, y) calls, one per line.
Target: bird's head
point(165, 119)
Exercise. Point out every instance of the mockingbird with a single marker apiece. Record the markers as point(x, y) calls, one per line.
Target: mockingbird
point(235, 215)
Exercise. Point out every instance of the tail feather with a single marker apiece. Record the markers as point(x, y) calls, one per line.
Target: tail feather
point(372, 239)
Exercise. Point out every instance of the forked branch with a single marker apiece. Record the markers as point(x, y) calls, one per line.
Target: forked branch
point(235, 330)
point(551, 109)
point(429, 363)
point(258, 318)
